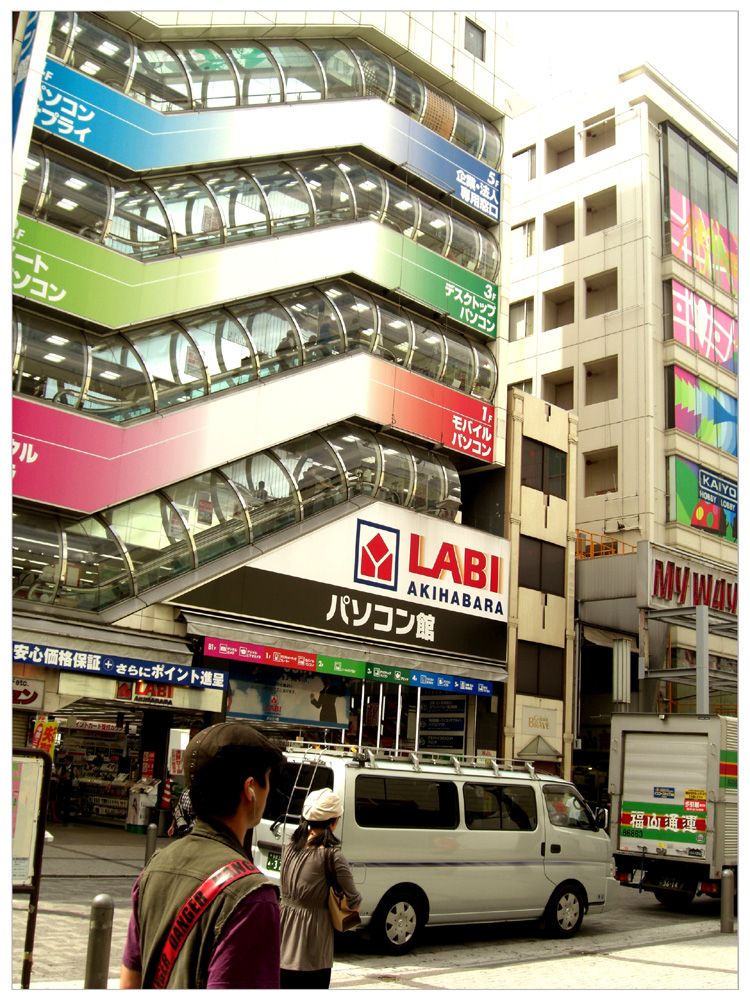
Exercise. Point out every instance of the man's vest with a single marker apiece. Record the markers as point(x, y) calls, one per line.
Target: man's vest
point(168, 880)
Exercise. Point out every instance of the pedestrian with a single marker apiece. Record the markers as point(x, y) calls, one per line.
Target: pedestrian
point(183, 816)
point(306, 928)
point(64, 790)
point(204, 917)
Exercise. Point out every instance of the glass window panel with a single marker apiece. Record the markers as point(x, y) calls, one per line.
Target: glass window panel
point(311, 462)
point(701, 224)
point(429, 486)
point(302, 77)
point(268, 325)
point(76, 199)
point(551, 664)
point(493, 146)
point(733, 222)
point(60, 34)
point(532, 463)
point(154, 537)
point(240, 203)
point(260, 82)
point(32, 180)
point(331, 193)
point(489, 257)
point(497, 807)
point(464, 245)
point(212, 79)
point(52, 362)
point(266, 490)
point(208, 505)
point(193, 215)
point(340, 67)
point(224, 347)
point(408, 93)
point(101, 51)
point(459, 369)
point(173, 363)
point(468, 133)
point(530, 563)
point(139, 225)
point(287, 197)
point(398, 474)
point(318, 322)
point(96, 573)
point(486, 382)
point(429, 349)
point(717, 191)
point(358, 313)
point(402, 211)
point(358, 451)
point(405, 803)
point(377, 69)
point(119, 387)
point(434, 229)
point(369, 187)
point(553, 569)
point(36, 556)
point(555, 471)
point(160, 80)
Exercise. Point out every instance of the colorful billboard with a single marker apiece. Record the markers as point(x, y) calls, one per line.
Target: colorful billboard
point(704, 328)
point(702, 242)
point(703, 411)
point(702, 499)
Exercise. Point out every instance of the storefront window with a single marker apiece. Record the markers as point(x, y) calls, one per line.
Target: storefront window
point(402, 210)
point(434, 228)
point(369, 185)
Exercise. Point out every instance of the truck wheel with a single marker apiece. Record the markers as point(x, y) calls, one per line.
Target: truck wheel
point(675, 899)
point(564, 914)
point(397, 922)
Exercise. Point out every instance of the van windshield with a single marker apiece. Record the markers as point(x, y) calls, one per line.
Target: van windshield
point(306, 777)
point(565, 807)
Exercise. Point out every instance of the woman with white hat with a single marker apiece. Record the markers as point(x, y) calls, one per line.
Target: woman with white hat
point(306, 929)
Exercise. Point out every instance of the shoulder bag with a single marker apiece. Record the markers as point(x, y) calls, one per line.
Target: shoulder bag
point(343, 917)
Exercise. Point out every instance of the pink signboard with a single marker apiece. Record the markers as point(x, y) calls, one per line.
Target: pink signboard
point(243, 652)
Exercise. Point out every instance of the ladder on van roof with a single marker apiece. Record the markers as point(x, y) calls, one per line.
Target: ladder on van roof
point(312, 755)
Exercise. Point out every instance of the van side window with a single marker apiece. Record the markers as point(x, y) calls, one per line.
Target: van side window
point(306, 777)
point(566, 808)
point(405, 803)
point(499, 807)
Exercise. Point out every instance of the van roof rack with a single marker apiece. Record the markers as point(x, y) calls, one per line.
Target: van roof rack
point(367, 756)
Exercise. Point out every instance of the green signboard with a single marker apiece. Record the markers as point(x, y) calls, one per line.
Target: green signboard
point(345, 668)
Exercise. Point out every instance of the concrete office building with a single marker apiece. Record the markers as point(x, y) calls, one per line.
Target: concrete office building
point(623, 311)
point(264, 463)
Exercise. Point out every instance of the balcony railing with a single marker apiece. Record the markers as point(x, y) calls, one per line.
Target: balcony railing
point(590, 545)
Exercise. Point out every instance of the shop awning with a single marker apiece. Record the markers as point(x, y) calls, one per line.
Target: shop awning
point(236, 631)
point(539, 749)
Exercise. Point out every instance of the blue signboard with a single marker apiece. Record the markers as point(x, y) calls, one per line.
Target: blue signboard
point(22, 71)
point(120, 667)
point(100, 119)
point(446, 682)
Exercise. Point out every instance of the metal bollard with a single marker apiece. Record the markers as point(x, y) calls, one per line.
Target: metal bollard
point(727, 901)
point(100, 942)
point(150, 841)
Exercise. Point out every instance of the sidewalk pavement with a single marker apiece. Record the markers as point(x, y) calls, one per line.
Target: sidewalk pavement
point(84, 860)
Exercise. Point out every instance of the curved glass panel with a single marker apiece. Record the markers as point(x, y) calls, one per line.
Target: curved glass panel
point(408, 93)
point(287, 197)
point(173, 363)
point(60, 35)
point(331, 194)
point(318, 322)
point(357, 450)
point(270, 329)
point(302, 77)
point(208, 505)
point(224, 347)
point(75, 200)
point(260, 82)
point(154, 537)
point(369, 188)
point(240, 203)
point(429, 347)
point(119, 388)
point(402, 211)
point(36, 556)
point(340, 68)
point(493, 146)
point(312, 465)
point(53, 360)
point(377, 69)
point(489, 256)
point(159, 80)
point(359, 317)
point(102, 52)
point(464, 244)
point(453, 495)
point(468, 133)
point(96, 574)
point(267, 492)
point(194, 218)
point(396, 336)
point(139, 225)
point(439, 113)
point(486, 381)
point(429, 485)
point(212, 80)
point(459, 370)
point(32, 181)
point(398, 472)
point(434, 228)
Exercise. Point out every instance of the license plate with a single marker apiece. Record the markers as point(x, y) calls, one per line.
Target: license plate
point(273, 863)
point(670, 883)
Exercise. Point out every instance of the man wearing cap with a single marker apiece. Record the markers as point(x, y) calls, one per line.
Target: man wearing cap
point(203, 916)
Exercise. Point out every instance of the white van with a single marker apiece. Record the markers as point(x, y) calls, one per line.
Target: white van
point(447, 840)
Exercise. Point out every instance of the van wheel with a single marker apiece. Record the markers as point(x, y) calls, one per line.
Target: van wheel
point(564, 914)
point(397, 922)
point(676, 900)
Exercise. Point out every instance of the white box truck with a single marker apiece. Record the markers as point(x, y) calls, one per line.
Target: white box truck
point(673, 783)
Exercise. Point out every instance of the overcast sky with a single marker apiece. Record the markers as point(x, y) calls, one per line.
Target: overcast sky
point(696, 50)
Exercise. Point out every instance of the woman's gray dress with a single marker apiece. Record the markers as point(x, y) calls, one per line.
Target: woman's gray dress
point(306, 929)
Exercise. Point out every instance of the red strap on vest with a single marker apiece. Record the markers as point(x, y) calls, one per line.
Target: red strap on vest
point(190, 913)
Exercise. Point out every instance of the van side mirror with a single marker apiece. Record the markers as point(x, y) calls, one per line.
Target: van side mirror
point(602, 818)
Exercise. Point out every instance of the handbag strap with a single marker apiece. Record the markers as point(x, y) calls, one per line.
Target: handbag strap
point(333, 882)
point(189, 914)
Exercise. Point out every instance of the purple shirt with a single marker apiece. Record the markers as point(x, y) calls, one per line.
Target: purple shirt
point(246, 955)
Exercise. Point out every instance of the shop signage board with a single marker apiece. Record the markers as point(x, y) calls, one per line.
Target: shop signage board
point(97, 118)
point(290, 695)
point(28, 694)
point(45, 733)
point(27, 788)
point(668, 580)
point(113, 665)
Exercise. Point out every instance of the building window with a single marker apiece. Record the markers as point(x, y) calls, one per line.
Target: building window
point(474, 39)
point(539, 670)
point(541, 566)
point(559, 307)
point(558, 388)
point(600, 472)
point(524, 165)
point(525, 385)
point(601, 380)
point(521, 320)
point(601, 210)
point(599, 133)
point(522, 240)
point(601, 293)
point(543, 468)
point(559, 226)
point(559, 150)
